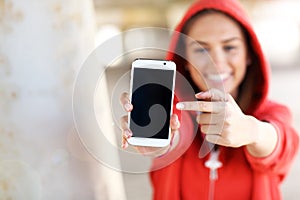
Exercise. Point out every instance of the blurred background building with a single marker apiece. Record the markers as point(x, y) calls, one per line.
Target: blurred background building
point(43, 45)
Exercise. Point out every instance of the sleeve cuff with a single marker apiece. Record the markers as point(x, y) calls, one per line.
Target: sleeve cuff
point(263, 162)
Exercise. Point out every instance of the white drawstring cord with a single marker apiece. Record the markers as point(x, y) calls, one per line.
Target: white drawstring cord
point(213, 164)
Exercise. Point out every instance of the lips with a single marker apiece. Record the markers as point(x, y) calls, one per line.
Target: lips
point(221, 77)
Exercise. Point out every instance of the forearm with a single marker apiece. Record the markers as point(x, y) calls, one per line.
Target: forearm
point(265, 140)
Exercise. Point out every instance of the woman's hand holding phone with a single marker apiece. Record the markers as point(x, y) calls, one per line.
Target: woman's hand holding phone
point(126, 132)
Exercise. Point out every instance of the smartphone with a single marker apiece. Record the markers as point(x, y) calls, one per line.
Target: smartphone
point(151, 94)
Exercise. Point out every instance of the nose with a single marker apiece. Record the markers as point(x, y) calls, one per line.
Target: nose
point(218, 60)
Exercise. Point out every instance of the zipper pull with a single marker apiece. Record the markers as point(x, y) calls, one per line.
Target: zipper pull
point(213, 164)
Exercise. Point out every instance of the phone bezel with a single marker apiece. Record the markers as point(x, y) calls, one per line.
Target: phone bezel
point(152, 64)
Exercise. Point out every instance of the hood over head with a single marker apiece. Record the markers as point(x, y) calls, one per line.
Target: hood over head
point(253, 90)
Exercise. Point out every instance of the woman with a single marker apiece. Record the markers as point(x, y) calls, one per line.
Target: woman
point(256, 142)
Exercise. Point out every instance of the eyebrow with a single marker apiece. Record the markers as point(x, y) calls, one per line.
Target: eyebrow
point(224, 41)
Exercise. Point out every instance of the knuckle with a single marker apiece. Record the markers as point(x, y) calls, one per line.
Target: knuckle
point(202, 105)
point(226, 141)
point(204, 129)
point(198, 119)
point(228, 120)
point(219, 130)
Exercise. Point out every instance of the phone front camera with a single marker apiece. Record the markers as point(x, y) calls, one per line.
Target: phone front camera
point(164, 63)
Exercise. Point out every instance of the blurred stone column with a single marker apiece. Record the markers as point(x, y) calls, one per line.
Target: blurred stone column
point(42, 46)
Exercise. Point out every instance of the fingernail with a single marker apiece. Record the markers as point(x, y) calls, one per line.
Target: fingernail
point(124, 145)
point(127, 133)
point(127, 106)
point(180, 106)
point(199, 94)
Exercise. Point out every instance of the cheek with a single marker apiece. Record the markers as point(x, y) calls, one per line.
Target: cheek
point(239, 62)
point(240, 70)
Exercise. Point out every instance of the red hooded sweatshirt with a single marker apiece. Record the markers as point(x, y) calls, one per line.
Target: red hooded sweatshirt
point(242, 176)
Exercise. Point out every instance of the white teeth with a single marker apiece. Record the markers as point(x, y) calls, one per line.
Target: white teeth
point(217, 77)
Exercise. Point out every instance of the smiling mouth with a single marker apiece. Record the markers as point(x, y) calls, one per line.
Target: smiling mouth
point(218, 77)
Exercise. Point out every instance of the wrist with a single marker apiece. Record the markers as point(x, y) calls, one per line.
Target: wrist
point(264, 138)
point(255, 132)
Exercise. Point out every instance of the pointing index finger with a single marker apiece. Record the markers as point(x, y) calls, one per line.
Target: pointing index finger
point(202, 106)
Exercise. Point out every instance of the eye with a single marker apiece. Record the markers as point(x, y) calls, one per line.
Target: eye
point(200, 50)
point(229, 48)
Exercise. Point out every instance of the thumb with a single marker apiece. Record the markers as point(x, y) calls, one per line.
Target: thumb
point(212, 95)
point(231, 101)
